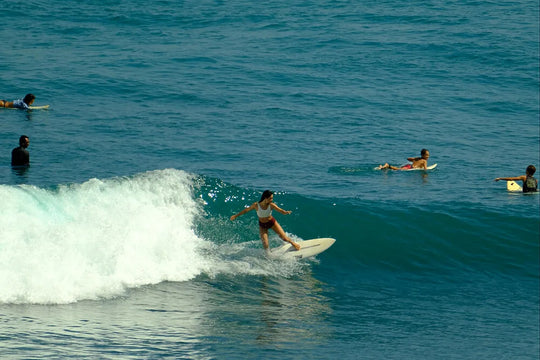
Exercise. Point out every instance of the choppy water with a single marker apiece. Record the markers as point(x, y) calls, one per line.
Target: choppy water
point(167, 118)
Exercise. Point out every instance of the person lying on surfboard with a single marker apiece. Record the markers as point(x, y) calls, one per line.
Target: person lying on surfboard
point(19, 103)
point(266, 221)
point(416, 162)
point(530, 184)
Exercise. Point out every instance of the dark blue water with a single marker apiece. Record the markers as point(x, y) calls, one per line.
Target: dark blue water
point(168, 117)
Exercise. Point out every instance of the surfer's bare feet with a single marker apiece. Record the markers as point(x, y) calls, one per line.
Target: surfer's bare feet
point(296, 246)
point(385, 166)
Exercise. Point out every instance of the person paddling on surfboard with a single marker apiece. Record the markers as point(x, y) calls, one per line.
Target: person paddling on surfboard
point(266, 221)
point(416, 162)
point(19, 103)
point(530, 184)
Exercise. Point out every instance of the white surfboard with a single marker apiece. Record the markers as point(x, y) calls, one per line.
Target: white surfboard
point(31, 107)
point(42, 107)
point(430, 167)
point(308, 248)
point(513, 186)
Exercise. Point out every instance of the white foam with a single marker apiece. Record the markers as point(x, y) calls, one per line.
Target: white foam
point(92, 240)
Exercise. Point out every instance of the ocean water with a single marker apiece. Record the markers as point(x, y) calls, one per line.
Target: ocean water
point(167, 117)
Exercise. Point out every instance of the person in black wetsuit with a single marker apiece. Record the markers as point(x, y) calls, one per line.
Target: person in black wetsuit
point(530, 184)
point(20, 156)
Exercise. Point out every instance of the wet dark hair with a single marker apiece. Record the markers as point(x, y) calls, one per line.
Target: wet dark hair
point(22, 138)
point(423, 152)
point(530, 170)
point(266, 194)
point(28, 98)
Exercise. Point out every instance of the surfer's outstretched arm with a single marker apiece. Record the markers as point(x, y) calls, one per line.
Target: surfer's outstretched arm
point(513, 178)
point(278, 209)
point(252, 207)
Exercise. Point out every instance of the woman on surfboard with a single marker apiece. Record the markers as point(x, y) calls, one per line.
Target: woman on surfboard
point(19, 103)
point(266, 221)
point(416, 162)
point(530, 184)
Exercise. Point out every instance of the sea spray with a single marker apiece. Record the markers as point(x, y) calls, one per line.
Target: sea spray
point(92, 240)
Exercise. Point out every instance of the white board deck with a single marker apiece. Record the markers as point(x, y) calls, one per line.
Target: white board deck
point(308, 248)
point(41, 107)
point(31, 107)
point(513, 186)
point(430, 167)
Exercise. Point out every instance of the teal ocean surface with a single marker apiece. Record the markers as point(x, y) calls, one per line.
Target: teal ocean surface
point(167, 117)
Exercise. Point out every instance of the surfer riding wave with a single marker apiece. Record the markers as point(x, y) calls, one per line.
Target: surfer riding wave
point(266, 221)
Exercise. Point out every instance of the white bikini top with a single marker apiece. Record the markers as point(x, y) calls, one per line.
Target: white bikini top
point(262, 213)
